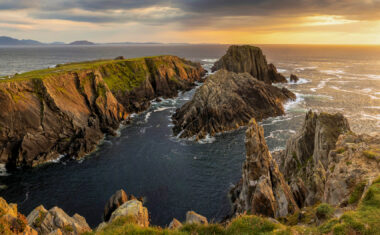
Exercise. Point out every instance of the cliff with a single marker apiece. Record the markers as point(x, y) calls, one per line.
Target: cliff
point(227, 101)
point(262, 190)
point(249, 59)
point(66, 111)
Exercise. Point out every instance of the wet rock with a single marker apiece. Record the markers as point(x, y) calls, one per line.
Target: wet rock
point(56, 221)
point(263, 189)
point(194, 218)
point(175, 224)
point(294, 78)
point(134, 209)
point(249, 59)
point(116, 200)
point(227, 101)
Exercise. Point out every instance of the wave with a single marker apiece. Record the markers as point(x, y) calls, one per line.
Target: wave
point(299, 82)
point(3, 170)
point(210, 60)
point(147, 116)
point(282, 70)
point(207, 140)
point(294, 103)
point(57, 160)
point(305, 68)
point(334, 72)
point(321, 85)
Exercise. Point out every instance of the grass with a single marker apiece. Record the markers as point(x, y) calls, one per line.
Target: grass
point(324, 211)
point(357, 193)
point(370, 154)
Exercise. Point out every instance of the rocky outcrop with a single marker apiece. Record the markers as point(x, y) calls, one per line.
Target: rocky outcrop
point(116, 200)
point(249, 59)
point(56, 221)
point(227, 101)
point(175, 224)
point(293, 78)
point(194, 218)
point(12, 222)
point(65, 111)
point(135, 209)
point(262, 189)
point(305, 161)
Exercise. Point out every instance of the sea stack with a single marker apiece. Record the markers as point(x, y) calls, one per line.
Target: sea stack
point(226, 101)
point(250, 59)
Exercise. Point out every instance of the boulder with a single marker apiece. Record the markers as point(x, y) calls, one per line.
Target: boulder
point(135, 209)
point(227, 101)
point(294, 78)
point(56, 221)
point(116, 200)
point(263, 189)
point(194, 218)
point(249, 59)
point(175, 224)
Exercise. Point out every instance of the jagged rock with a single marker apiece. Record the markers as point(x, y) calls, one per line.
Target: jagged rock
point(194, 218)
point(116, 200)
point(263, 189)
point(175, 224)
point(12, 222)
point(250, 59)
point(294, 78)
point(305, 161)
point(49, 222)
point(227, 101)
point(135, 209)
point(352, 165)
point(66, 111)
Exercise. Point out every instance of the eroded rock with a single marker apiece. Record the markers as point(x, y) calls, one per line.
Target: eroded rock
point(227, 101)
point(294, 78)
point(175, 224)
point(135, 209)
point(193, 218)
point(116, 200)
point(249, 59)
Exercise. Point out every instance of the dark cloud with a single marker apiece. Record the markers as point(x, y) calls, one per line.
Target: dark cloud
point(194, 12)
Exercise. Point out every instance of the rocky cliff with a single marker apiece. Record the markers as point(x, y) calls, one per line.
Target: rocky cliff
point(305, 161)
point(227, 101)
point(65, 111)
point(262, 189)
point(250, 59)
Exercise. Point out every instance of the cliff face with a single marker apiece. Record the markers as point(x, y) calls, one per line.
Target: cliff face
point(305, 161)
point(227, 101)
point(67, 110)
point(262, 189)
point(249, 59)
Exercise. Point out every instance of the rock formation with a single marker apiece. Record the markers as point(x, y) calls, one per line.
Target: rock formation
point(56, 221)
point(227, 101)
point(250, 59)
point(66, 111)
point(118, 199)
point(135, 209)
point(305, 161)
point(175, 224)
point(194, 218)
point(12, 222)
point(262, 189)
point(294, 78)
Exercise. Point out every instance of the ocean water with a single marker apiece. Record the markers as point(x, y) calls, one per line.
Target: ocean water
point(175, 175)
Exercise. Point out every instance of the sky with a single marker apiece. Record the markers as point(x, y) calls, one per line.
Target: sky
point(194, 21)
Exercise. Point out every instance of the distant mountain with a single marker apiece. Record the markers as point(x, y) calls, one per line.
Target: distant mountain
point(57, 43)
point(83, 42)
point(8, 41)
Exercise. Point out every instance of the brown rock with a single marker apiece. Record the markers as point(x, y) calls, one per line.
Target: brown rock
point(263, 189)
point(249, 59)
point(116, 200)
point(194, 218)
point(294, 78)
point(175, 224)
point(134, 209)
point(227, 101)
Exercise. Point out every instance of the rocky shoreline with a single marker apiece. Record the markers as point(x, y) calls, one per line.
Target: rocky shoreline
point(66, 111)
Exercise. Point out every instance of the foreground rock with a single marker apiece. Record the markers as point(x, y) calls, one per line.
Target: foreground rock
point(118, 199)
point(249, 59)
point(194, 218)
point(12, 222)
point(56, 221)
point(227, 101)
point(262, 189)
point(175, 224)
point(135, 209)
point(65, 111)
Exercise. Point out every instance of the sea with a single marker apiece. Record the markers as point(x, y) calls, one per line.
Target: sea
point(177, 175)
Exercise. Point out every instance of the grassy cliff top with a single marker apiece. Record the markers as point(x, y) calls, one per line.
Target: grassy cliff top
point(75, 67)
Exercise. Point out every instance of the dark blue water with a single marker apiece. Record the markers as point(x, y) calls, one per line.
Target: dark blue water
point(174, 175)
